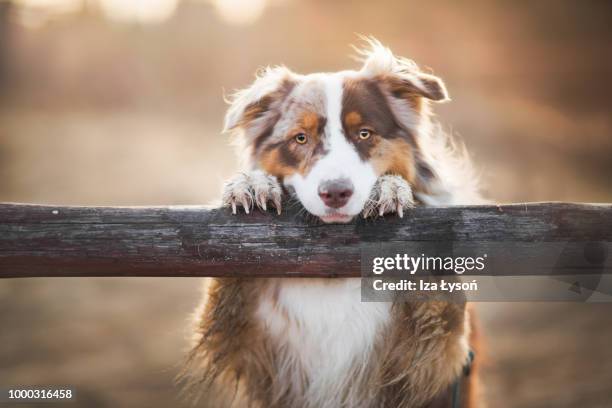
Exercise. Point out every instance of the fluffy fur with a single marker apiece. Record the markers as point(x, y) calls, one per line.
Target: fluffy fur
point(312, 343)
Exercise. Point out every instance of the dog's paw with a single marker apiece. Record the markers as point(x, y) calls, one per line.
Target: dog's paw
point(250, 189)
point(389, 194)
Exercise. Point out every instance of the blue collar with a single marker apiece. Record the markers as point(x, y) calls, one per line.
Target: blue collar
point(456, 391)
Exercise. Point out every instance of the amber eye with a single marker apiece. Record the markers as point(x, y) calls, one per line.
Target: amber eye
point(364, 134)
point(301, 138)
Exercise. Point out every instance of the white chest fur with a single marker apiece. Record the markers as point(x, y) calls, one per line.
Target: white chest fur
point(325, 334)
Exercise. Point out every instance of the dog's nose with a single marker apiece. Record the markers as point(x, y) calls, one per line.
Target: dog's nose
point(336, 193)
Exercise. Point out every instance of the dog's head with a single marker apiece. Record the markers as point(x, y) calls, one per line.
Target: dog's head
point(329, 136)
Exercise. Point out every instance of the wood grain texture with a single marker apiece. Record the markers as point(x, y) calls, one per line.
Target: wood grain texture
point(49, 241)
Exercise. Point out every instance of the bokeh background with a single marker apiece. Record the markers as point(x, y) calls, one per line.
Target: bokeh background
point(116, 102)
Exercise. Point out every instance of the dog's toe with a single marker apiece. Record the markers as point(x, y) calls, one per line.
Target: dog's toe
point(391, 194)
point(265, 189)
point(252, 189)
point(237, 192)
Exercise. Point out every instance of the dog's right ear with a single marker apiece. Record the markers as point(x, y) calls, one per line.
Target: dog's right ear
point(253, 109)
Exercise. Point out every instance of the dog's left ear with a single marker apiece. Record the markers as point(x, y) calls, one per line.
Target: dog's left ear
point(406, 85)
point(402, 76)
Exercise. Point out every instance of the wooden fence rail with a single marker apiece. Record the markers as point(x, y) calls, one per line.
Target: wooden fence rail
point(49, 241)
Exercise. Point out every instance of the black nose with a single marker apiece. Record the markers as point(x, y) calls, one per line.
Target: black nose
point(336, 193)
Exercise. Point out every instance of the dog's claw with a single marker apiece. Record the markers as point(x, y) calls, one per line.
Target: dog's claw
point(276, 201)
point(400, 210)
point(245, 205)
point(276, 204)
point(234, 207)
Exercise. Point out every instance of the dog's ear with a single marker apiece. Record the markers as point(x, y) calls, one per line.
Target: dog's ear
point(402, 76)
point(252, 109)
point(409, 85)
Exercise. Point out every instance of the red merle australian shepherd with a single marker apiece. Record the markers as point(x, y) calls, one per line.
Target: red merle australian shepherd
point(344, 144)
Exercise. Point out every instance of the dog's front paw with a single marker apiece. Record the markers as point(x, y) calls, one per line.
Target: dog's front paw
point(250, 189)
point(389, 194)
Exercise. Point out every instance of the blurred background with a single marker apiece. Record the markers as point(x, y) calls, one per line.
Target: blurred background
point(115, 102)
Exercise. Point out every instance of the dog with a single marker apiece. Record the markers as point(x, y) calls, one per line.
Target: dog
point(343, 144)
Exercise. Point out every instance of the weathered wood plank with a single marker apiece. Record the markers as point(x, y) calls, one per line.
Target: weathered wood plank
point(40, 240)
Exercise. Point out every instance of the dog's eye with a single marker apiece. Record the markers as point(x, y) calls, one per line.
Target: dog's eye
point(301, 138)
point(364, 134)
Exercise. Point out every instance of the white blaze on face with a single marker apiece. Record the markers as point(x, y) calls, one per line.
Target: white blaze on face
point(340, 161)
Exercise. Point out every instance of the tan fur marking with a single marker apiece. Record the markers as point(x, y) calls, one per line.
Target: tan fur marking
point(275, 160)
point(310, 122)
point(394, 156)
point(271, 163)
point(353, 119)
